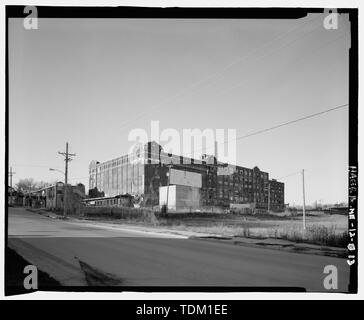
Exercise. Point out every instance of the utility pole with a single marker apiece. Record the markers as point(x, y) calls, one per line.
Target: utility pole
point(11, 173)
point(268, 197)
point(67, 158)
point(169, 179)
point(304, 204)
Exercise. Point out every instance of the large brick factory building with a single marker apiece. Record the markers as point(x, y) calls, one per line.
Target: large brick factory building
point(153, 175)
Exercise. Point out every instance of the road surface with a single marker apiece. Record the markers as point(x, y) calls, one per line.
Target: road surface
point(70, 251)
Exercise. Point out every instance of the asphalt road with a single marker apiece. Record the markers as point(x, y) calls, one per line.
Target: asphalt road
point(75, 253)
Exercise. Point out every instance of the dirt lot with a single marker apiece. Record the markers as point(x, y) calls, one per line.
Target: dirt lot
point(321, 228)
point(261, 226)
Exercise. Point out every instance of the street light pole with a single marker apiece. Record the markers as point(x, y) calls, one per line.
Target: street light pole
point(304, 204)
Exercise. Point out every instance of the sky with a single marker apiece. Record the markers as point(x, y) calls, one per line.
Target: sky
point(90, 82)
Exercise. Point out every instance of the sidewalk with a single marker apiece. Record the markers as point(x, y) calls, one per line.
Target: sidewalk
point(44, 212)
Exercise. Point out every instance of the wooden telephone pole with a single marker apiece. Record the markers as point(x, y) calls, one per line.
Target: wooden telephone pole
point(268, 197)
point(67, 158)
point(11, 173)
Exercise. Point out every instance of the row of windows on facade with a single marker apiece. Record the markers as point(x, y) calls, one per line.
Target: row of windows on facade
point(242, 183)
point(113, 182)
point(233, 176)
point(241, 192)
point(239, 179)
point(125, 175)
point(138, 180)
point(248, 186)
point(249, 199)
point(108, 166)
point(135, 169)
point(127, 160)
point(115, 173)
point(247, 172)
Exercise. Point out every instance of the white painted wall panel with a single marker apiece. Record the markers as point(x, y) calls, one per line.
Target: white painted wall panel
point(186, 178)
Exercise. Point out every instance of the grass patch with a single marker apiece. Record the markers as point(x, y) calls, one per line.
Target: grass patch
point(320, 235)
point(321, 230)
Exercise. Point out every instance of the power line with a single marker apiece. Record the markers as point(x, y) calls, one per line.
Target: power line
point(78, 178)
point(272, 52)
point(218, 73)
point(289, 175)
point(239, 84)
point(259, 132)
point(33, 165)
point(277, 126)
point(273, 128)
point(264, 130)
point(238, 138)
point(293, 121)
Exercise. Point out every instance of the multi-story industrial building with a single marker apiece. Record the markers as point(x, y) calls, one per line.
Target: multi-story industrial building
point(148, 169)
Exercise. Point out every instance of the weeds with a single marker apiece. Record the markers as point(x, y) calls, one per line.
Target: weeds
point(319, 234)
point(232, 225)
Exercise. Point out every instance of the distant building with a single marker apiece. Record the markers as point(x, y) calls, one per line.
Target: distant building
point(52, 197)
point(80, 188)
point(276, 195)
point(15, 198)
point(145, 171)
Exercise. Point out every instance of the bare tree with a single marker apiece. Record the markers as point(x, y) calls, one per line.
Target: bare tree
point(26, 185)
